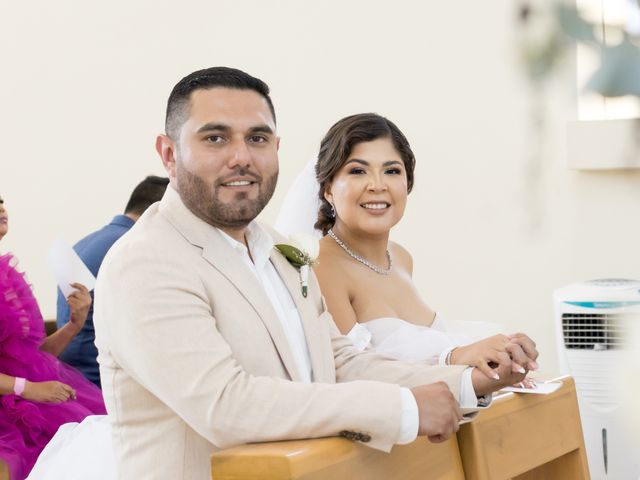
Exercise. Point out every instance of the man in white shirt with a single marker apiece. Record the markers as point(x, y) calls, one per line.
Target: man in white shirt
point(205, 340)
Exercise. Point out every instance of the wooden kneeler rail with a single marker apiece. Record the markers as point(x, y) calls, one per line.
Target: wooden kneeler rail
point(4, 471)
point(338, 458)
point(526, 437)
point(521, 437)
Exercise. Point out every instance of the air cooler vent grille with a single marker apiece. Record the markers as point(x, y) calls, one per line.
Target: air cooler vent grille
point(593, 331)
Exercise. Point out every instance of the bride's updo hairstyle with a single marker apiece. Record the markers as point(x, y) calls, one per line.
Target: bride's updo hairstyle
point(337, 144)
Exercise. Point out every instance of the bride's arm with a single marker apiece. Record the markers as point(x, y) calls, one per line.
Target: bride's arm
point(336, 293)
point(488, 352)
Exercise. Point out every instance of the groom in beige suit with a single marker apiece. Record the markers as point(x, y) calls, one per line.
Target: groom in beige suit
point(205, 339)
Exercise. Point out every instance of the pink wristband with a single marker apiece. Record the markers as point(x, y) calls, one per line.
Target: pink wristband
point(18, 386)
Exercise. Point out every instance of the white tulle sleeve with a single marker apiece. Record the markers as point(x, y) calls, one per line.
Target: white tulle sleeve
point(414, 343)
point(360, 336)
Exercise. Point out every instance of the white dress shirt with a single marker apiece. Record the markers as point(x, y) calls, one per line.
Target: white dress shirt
point(256, 258)
point(260, 245)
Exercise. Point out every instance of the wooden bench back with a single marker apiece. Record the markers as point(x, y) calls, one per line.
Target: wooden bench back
point(522, 437)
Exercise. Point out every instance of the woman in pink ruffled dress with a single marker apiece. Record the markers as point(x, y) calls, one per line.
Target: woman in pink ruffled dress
point(38, 393)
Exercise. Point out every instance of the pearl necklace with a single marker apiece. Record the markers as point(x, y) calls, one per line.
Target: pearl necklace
point(355, 256)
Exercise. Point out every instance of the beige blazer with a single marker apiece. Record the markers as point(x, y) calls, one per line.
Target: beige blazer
point(193, 357)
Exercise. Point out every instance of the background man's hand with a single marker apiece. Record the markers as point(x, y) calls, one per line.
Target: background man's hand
point(438, 410)
point(79, 302)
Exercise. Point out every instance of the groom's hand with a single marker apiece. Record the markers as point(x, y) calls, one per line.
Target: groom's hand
point(438, 411)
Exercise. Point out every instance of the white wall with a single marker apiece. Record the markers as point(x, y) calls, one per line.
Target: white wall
point(83, 91)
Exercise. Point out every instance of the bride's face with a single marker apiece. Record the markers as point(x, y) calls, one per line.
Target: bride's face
point(4, 219)
point(369, 192)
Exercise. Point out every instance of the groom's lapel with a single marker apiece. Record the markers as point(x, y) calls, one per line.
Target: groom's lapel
point(223, 258)
point(217, 251)
point(308, 314)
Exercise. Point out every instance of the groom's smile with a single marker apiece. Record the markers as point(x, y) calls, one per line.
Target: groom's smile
point(243, 181)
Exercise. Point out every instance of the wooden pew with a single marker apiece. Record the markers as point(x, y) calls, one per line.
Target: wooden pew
point(50, 326)
point(4, 471)
point(338, 458)
point(526, 437)
point(523, 437)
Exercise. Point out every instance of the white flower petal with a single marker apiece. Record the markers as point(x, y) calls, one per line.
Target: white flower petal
point(307, 244)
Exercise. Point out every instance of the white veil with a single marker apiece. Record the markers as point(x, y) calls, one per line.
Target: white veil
point(299, 211)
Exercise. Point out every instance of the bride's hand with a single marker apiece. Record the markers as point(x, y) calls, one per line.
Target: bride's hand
point(486, 354)
point(527, 382)
point(523, 349)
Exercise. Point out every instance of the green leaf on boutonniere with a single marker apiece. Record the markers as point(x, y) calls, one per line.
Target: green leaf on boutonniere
point(296, 257)
point(302, 257)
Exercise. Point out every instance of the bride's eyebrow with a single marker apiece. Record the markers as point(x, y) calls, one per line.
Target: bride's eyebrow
point(357, 160)
point(388, 163)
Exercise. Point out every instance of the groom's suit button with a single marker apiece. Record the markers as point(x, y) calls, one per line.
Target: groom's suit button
point(355, 436)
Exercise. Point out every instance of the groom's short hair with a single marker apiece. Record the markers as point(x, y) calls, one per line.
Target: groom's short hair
point(180, 97)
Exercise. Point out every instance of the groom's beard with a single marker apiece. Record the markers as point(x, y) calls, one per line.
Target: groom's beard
point(204, 202)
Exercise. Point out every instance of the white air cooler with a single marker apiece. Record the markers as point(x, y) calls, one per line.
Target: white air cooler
point(591, 320)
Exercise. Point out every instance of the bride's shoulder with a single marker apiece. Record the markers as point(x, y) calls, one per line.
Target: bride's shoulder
point(331, 260)
point(401, 256)
point(329, 253)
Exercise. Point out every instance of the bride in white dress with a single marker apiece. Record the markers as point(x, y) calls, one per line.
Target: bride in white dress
point(363, 174)
point(365, 169)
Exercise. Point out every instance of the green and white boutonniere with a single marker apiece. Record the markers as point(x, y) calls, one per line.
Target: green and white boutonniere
point(302, 253)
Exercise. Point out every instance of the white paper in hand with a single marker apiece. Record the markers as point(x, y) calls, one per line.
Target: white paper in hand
point(67, 267)
point(541, 388)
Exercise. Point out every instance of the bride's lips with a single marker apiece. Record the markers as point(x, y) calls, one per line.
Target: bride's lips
point(376, 207)
point(4, 219)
